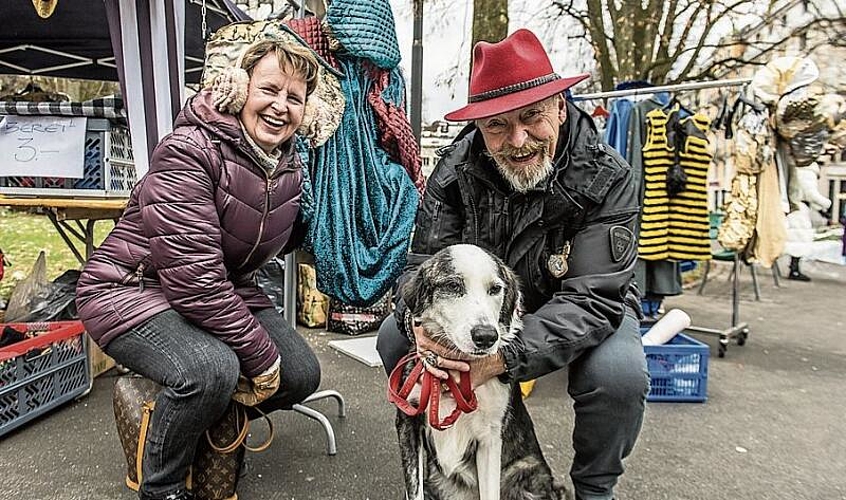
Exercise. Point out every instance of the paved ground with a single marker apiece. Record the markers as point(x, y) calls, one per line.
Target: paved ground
point(773, 426)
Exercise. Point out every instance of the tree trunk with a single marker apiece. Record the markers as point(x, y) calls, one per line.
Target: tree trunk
point(490, 21)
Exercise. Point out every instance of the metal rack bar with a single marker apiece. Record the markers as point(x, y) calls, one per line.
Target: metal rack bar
point(734, 82)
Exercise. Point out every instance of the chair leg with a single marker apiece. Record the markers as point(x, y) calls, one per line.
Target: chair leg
point(316, 415)
point(342, 407)
point(776, 274)
point(755, 282)
point(704, 277)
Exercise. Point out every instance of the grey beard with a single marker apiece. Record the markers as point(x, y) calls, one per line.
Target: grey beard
point(526, 179)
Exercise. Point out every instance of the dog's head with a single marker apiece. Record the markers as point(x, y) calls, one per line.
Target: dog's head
point(467, 296)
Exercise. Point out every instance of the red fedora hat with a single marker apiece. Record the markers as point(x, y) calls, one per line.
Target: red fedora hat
point(508, 75)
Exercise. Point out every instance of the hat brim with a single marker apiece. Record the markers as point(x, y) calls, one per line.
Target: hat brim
point(515, 100)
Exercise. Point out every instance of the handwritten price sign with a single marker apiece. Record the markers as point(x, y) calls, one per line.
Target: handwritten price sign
point(42, 146)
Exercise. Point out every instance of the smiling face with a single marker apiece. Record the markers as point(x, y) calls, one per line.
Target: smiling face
point(522, 142)
point(275, 103)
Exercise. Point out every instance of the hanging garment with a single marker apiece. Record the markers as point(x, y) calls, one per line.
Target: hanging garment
point(770, 227)
point(617, 128)
point(364, 202)
point(675, 227)
point(754, 222)
point(655, 278)
point(753, 153)
point(396, 136)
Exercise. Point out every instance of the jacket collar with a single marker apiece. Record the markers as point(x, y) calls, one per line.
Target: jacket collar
point(201, 112)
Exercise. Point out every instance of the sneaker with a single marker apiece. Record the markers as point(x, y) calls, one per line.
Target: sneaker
point(176, 495)
point(797, 276)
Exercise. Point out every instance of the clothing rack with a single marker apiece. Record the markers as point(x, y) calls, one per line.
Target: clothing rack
point(736, 329)
point(734, 82)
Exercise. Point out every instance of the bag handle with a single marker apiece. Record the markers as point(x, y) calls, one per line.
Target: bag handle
point(242, 433)
point(266, 444)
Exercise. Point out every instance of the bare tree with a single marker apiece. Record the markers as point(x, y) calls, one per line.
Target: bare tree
point(670, 41)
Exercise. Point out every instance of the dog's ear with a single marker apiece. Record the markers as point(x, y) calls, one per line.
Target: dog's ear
point(512, 297)
point(416, 295)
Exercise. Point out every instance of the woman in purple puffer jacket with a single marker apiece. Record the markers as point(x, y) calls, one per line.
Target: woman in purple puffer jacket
point(172, 292)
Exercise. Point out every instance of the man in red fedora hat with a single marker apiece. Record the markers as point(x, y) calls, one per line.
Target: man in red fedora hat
point(529, 180)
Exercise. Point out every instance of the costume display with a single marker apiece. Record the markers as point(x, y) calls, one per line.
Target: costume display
point(803, 122)
point(674, 224)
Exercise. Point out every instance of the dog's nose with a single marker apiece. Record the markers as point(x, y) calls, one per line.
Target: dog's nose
point(483, 336)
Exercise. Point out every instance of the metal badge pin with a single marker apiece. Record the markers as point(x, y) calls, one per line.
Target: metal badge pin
point(557, 263)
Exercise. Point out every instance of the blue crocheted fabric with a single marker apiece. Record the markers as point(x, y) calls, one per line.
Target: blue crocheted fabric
point(366, 29)
point(307, 197)
point(364, 203)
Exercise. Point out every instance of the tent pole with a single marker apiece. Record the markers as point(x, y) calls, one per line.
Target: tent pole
point(417, 70)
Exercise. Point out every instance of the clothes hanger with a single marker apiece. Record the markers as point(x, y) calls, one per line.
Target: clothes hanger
point(674, 101)
point(600, 111)
point(745, 102)
point(722, 115)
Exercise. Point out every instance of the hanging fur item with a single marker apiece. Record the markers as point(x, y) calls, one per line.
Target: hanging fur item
point(676, 177)
point(44, 8)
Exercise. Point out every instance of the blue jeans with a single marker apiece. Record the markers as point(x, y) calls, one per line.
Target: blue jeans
point(198, 373)
point(608, 385)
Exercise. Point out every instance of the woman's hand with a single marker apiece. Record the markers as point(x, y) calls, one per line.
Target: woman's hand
point(251, 392)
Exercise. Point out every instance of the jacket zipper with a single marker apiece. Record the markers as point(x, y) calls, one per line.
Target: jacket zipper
point(475, 220)
point(137, 274)
point(264, 214)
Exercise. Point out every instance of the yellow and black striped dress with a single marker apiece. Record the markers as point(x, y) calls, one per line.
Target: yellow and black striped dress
point(675, 228)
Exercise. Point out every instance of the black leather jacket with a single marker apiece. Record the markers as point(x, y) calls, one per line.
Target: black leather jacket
point(590, 201)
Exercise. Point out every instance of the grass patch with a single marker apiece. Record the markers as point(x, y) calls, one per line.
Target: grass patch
point(23, 235)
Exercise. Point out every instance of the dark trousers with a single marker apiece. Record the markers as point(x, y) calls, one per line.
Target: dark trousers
point(198, 373)
point(608, 385)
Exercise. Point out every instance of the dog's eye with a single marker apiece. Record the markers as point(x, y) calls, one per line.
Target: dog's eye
point(495, 289)
point(453, 288)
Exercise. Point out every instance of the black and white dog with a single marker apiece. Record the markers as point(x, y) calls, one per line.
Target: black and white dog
point(467, 298)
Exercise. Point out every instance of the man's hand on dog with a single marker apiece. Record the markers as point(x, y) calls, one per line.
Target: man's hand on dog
point(449, 361)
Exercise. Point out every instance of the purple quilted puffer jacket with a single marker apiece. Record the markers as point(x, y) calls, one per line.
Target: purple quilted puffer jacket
point(197, 227)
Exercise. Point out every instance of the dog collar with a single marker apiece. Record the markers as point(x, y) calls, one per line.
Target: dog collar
point(430, 393)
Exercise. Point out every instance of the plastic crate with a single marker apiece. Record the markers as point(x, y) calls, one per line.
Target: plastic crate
point(108, 168)
point(678, 370)
point(42, 372)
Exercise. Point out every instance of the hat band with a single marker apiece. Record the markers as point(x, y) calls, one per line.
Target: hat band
point(510, 89)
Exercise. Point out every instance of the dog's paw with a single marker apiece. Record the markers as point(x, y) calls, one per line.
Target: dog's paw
point(562, 491)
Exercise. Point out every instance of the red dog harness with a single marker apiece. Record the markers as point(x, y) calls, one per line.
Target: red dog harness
point(430, 393)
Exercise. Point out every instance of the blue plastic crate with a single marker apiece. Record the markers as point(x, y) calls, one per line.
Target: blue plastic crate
point(678, 370)
point(42, 372)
